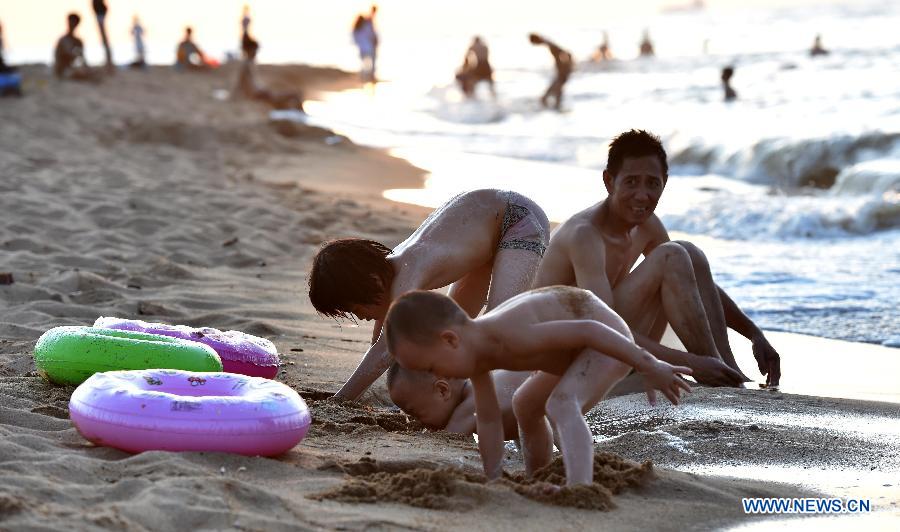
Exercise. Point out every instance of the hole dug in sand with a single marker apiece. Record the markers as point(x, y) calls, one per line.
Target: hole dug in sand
point(442, 488)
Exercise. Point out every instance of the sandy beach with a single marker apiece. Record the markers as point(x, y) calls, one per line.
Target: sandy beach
point(150, 196)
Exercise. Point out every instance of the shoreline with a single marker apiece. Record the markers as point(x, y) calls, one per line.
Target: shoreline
point(120, 200)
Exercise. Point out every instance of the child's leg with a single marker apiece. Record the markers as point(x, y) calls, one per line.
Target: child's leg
point(529, 401)
point(588, 379)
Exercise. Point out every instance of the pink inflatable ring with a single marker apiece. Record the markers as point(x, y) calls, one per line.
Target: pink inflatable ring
point(240, 352)
point(176, 410)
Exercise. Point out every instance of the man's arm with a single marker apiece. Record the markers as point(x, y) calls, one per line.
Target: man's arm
point(767, 359)
point(375, 362)
point(489, 421)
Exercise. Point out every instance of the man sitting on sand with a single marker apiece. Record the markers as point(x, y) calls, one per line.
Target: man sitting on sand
point(479, 239)
point(249, 87)
point(597, 248)
point(188, 55)
point(68, 57)
point(577, 347)
point(442, 403)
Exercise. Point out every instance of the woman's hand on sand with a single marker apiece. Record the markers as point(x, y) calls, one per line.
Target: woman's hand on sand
point(767, 360)
point(665, 377)
point(715, 372)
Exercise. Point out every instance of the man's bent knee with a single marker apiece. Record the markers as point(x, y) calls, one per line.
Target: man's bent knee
point(673, 256)
point(695, 253)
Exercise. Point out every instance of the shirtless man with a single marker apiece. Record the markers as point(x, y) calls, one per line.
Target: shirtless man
point(476, 67)
point(577, 347)
point(68, 57)
point(479, 239)
point(596, 249)
point(188, 55)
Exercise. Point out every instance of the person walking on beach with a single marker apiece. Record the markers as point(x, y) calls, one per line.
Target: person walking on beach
point(596, 249)
point(476, 67)
point(486, 244)
point(727, 74)
point(100, 11)
point(137, 31)
point(564, 65)
point(366, 39)
point(603, 52)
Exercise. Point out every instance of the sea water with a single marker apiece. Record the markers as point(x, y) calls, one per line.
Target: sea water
point(793, 190)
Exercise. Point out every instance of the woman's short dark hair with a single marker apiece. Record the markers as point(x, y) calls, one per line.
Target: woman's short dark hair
point(347, 272)
point(632, 144)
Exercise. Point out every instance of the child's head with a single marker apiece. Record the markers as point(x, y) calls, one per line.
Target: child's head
point(351, 276)
point(423, 331)
point(429, 399)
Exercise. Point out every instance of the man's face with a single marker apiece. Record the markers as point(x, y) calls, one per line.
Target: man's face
point(635, 190)
point(430, 401)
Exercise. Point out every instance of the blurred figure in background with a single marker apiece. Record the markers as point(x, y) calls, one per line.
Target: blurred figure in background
point(817, 48)
point(727, 73)
point(249, 87)
point(603, 53)
point(3, 67)
point(137, 31)
point(68, 57)
point(10, 80)
point(647, 45)
point(476, 67)
point(100, 11)
point(188, 55)
point(564, 66)
point(366, 39)
point(245, 31)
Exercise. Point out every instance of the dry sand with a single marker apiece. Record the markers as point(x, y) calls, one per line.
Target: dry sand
point(147, 197)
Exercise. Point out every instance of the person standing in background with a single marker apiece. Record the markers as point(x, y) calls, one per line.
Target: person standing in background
point(137, 31)
point(3, 66)
point(100, 10)
point(366, 39)
point(246, 41)
point(647, 45)
point(476, 67)
point(730, 94)
point(564, 66)
point(817, 48)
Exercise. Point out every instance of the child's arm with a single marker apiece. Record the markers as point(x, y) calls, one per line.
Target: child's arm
point(580, 334)
point(489, 421)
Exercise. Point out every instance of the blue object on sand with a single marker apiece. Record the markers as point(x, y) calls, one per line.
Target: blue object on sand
point(10, 80)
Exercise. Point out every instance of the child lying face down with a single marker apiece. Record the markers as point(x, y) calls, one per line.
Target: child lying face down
point(449, 404)
point(576, 345)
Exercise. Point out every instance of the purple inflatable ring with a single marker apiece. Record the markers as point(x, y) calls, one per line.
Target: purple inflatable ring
point(176, 410)
point(240, 352)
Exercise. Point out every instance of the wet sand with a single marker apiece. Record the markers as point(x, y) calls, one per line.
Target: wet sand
point(148, 197)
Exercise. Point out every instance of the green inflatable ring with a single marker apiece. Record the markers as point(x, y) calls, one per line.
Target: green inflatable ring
point(69, 355)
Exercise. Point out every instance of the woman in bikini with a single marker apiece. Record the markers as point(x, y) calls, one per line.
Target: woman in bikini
point(486, 244)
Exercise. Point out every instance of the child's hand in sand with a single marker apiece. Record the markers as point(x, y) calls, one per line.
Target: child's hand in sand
point(662, 376)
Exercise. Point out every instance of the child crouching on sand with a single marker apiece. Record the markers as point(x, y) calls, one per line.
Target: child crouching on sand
point(576, 345)
point(449, 404)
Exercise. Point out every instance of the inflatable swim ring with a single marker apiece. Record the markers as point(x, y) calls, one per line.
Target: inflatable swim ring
point(69, 355)
point(240, 353)
point(173, 410)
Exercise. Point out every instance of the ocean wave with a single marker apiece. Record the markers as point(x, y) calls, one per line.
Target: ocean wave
point(749, 214)
point(787, 163)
